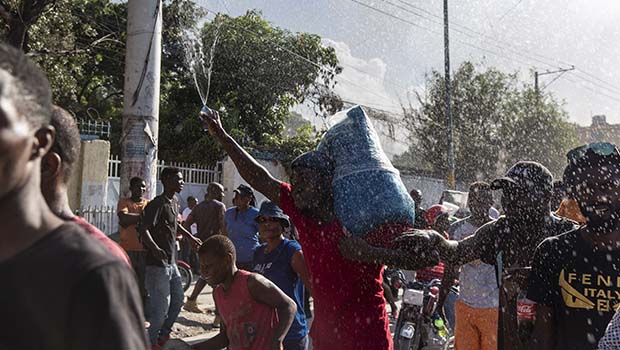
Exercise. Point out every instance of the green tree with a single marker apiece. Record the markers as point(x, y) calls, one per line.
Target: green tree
point(258, 76)
point(538, 130)
point(496, 123)
point(16, 16)
point(260, 71)
point(82, 49)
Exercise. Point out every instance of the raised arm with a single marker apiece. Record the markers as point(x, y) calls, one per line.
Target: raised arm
point(264, 291)
point(251, 171)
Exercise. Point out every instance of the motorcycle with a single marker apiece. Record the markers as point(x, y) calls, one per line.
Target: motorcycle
point(419, 326)
point(395, 279)
point(185, 270)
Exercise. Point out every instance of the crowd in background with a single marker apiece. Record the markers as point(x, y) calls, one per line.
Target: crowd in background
point(543, 275)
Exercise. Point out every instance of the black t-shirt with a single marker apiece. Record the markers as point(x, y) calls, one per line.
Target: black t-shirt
point(66, 292)
point(160, 217)
point(509, 245)
point(580, 283)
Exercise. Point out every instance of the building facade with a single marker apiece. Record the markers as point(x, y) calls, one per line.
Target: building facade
point(599, 131)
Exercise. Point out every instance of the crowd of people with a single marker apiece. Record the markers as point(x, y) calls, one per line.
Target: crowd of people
point(543, 275)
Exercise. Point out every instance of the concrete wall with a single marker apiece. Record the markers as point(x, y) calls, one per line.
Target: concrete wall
point(88, 185)
point(231, 178)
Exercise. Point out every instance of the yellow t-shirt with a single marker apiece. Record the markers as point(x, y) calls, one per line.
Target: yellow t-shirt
point(129, 235)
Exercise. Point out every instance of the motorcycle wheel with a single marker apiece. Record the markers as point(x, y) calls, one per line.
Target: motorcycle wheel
point(404, 343)
point(186, 277)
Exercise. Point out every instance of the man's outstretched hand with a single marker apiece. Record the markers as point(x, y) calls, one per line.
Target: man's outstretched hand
point(356, 248)
point(423, 244)
point(211, 121)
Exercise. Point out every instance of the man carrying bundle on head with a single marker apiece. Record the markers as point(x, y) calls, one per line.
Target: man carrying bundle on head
point(353, 317)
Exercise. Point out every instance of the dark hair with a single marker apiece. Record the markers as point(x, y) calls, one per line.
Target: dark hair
point(212, 186)
point(190, 198)
point(480, 189)
point(67, 141)
point(219, 246)
point(136, 181)
point(316, 161)
point(168, 172)
point(29, 89)
point(415, 193)
point(479, 186)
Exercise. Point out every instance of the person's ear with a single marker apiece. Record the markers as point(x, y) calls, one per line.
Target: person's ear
point(51, 165)
point(230, 259)
point(43, 141)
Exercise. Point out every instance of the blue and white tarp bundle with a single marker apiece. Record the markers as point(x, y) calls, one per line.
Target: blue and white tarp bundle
point(368, 191)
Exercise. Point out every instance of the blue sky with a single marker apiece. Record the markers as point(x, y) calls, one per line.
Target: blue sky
point(386, 51)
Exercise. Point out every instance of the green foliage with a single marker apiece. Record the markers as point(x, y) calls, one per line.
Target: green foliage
point(288, 148)
point(496, 123)
point(257, 78)
point(258, 75)
point(82, 49)
point(538, 130)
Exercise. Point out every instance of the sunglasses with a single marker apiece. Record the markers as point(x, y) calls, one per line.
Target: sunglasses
point(265, 219)
point(603, 149)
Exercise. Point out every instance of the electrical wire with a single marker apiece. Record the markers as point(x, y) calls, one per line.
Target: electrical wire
point(474, 46)
point(305, 59)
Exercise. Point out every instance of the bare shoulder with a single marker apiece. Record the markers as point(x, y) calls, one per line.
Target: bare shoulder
point(256, 280)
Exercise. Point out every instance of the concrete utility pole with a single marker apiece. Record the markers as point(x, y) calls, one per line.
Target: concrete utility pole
point(141, 100)
point(446, 42)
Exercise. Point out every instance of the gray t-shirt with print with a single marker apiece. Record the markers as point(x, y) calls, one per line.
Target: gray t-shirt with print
point(477, 281)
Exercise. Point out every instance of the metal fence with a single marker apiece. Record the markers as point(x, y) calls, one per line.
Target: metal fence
point(103, 217)
point(94, 128)
point(192, 173)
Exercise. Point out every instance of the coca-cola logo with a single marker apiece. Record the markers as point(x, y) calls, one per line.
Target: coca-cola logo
point(526, 310)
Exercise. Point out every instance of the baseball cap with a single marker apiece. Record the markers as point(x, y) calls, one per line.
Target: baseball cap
point(589, 156)
point(271, 210)
point(434, 212)
point(245, 191)
point(527, 176)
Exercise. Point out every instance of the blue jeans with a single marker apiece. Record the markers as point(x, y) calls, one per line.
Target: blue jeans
point(165, 299)
point(299, 344)
point(448, 309)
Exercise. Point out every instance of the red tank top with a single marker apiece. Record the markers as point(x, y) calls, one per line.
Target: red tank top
point(250, 325)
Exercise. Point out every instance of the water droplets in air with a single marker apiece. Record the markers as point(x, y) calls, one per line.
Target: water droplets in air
point(198, 55)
